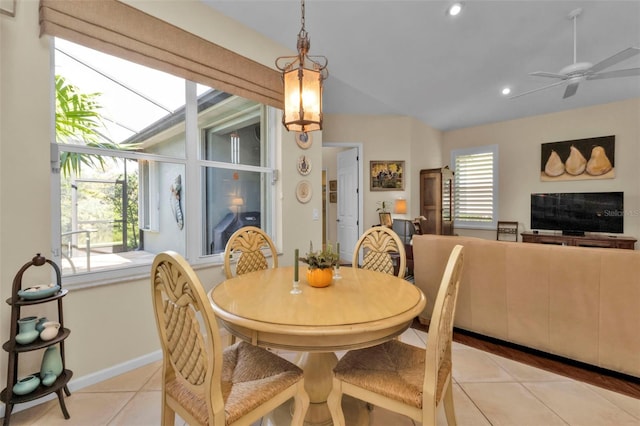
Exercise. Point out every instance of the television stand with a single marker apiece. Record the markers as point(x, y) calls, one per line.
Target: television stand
point(603, 241)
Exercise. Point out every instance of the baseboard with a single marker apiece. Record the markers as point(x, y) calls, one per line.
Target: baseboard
point(92, 379)
point(542, 354)
point(459, 334)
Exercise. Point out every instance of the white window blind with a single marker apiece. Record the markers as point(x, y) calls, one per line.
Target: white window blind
point(475, 187)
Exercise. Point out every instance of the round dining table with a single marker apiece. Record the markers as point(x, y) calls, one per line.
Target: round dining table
point(362, 308)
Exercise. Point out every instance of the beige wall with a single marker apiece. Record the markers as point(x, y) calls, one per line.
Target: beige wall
point(519, 157)
point(25, 206)
point(388, 138)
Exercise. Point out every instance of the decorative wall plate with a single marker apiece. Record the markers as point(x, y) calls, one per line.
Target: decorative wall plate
point(304, 140)
point(303, 191)
point(304, 165)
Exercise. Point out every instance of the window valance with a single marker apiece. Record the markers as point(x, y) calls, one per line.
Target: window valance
point(124, 31)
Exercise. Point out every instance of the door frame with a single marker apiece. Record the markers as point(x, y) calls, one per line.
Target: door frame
point(360, 148)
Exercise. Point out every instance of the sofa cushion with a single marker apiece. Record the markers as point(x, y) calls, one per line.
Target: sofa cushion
point(528, 296)
point(619, 319)
point(484, 264)
point(574, 308)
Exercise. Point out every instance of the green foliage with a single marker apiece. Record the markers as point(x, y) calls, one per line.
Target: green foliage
point(130, 216)
point(383, 206)
point(322, 259)
point(78, 120)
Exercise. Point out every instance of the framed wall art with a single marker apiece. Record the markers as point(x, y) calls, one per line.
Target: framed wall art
point(385, 219)
point(333, 197)
point(333, 185)
point(386, 175)
point(579, 159)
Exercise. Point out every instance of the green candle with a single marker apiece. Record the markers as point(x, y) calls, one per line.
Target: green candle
point(295, 266)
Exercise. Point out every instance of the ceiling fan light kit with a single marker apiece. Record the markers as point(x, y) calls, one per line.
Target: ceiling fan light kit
point(578, 72)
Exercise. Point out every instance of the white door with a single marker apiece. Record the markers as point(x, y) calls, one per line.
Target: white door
point(347, 217)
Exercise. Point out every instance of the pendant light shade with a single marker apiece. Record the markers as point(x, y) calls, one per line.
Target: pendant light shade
point(302, 76)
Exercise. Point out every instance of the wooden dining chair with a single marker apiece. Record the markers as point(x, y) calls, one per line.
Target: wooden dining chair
point(248, 244)
point(202, 383)
point(380, 245)
point(403, 378)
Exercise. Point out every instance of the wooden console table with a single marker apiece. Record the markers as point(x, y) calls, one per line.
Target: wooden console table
point(603, 241)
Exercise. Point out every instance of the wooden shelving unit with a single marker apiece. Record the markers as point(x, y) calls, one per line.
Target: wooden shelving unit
point(15, 349)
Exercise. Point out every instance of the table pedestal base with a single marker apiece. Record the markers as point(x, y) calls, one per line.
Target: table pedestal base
point(355, 411)
point(318, 381)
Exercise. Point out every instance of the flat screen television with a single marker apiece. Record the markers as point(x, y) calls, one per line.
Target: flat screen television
point(575, 213)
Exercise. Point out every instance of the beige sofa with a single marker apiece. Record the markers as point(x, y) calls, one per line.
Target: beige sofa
point(576, 302)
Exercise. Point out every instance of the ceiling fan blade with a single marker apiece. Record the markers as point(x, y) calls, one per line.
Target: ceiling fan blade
point(612, 60)
point(629, 72)
point(536, 90)
point(548, 74)
point(571, 90)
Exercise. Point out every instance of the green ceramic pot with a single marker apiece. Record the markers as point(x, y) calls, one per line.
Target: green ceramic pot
point(40, 323)
point(26, 385)
point(49, 379)
point(51, 363)
point(27, 332)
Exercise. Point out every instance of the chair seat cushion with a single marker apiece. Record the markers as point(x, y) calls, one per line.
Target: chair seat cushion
point(250, 376)
point(392, 369)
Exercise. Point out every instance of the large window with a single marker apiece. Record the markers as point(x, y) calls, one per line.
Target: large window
point(475, 187)
point(151, 162)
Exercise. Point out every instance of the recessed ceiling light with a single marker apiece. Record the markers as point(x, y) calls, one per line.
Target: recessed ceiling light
point(506, 91)
point(454, 9)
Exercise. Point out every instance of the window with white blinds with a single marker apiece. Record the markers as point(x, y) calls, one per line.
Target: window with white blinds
point(475, 187)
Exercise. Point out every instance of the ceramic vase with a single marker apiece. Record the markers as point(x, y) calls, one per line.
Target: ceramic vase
point(40, 323)
point(50, 330)
point(26, 385)
point(320, 277)
point(51, 366)
point(27, 332)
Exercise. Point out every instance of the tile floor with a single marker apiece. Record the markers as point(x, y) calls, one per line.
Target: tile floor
point(488, 390)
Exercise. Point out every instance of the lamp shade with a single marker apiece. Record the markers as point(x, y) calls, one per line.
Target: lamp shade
point(400, 206)
point(303, 100)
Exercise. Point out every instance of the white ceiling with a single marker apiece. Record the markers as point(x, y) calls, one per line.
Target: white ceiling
point(409, 58)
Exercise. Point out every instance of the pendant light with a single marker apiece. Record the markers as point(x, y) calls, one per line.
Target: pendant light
point(303, 76)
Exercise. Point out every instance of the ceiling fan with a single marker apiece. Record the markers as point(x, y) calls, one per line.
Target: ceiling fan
point(578, 72)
